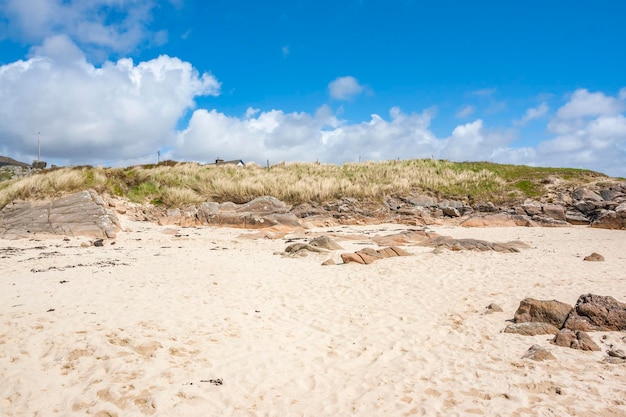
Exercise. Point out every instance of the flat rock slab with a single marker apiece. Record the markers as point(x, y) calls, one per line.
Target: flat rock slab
point(80, 214)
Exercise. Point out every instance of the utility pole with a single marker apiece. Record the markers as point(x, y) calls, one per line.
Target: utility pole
point(159, 156)
point(38, 146)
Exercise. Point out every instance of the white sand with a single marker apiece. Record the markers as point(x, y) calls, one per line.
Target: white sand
point(142, 326)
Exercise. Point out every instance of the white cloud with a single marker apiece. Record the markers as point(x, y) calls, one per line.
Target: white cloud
point(584, 104)
point(87, 23)
point(533, 113)
point(465, 111)
point(345, 88)
point(589, 131)
point(89, 114)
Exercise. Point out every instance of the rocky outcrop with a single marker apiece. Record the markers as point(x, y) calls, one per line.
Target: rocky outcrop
point(602, 206)
point(452, 244)
point(575, 340)
point(80, 214)
point(261, 212)
point(367, 256)
point(542, 311)
point(597, 313)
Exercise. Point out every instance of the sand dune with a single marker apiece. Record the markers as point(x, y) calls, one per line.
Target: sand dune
point(207, 321)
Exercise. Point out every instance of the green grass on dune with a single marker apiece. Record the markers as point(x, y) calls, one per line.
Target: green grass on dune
point(175, 184)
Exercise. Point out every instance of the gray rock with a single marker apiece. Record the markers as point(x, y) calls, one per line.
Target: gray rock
point(531, 329)
point(325, 242)
point(422, 201)
point(79, 214)
point(576, 218)
point(586, 194)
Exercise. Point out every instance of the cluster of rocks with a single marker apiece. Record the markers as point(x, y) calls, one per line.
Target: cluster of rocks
point(602, 207)
point(389, 246)
point(569, 324)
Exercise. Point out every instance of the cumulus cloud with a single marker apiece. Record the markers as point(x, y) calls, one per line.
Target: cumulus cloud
point(345, 88)
point(89, 114)
point(588, 131)
point(88, 23)
point(585, 104)
point(279, 136)
point(533, 113)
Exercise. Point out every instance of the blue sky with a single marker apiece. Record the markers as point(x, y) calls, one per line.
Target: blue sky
point(110, 82)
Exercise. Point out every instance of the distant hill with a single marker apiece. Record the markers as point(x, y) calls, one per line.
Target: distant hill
point(4, 161)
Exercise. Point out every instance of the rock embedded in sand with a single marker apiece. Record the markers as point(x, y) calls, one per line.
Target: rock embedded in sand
point(325, 242)
point(493, 308)
point(575, 340)
point(538, 353)
point(594, 257)
point(531, 328)
point(543, 311)
point(367, 256)
point(597, 313)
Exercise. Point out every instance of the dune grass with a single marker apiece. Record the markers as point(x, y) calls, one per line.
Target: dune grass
point(174, 184)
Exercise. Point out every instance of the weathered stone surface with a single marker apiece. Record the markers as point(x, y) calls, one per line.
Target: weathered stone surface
point(451, 212)
point(325, 242)
point(259, 213)
point(554, 211)
point(576, 218)
point(531, 207)
point(494, 220)
point(368, 255)
point(422, 201)
point(586, 194)
point(597, 313)
point(79, 214)
point(610, 219)
point(594, 257)
point(296, 248)
point(475, 244)
point(538, 353)
point(543, 311)
point(405, 237)
point(531, 328)
point(352, 257)
point(575, 340)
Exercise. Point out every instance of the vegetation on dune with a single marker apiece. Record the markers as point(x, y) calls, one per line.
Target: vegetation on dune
point(177, 184)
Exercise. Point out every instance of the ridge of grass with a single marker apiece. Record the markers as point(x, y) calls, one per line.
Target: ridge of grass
point(174, 184)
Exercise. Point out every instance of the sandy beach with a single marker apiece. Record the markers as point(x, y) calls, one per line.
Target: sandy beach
point(212, 321)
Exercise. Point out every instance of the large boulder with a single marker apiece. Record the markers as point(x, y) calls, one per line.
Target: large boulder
point(597, 313)
point(79, 214)
point(543, 311)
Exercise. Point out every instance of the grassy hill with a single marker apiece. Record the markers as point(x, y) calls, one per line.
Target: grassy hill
point(173, 184)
